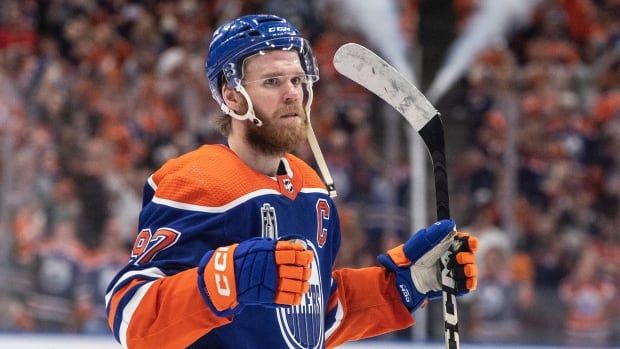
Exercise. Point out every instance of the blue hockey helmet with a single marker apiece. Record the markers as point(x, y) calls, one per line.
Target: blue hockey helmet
point(240, 38)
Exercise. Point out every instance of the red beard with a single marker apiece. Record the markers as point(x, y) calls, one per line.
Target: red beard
point(273, 138)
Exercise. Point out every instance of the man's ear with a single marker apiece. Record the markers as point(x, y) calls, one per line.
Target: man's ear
point(234, 100)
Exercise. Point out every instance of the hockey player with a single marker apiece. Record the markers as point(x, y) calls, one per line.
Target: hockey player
point(237, 242)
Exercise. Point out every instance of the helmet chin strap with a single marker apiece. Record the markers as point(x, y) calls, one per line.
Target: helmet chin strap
point(316, 150)
point(249, 114)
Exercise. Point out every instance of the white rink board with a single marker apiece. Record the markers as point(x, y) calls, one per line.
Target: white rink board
point(34, 341)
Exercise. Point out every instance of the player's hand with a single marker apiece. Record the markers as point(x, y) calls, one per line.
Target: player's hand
point(417, 266)
point(254, 272)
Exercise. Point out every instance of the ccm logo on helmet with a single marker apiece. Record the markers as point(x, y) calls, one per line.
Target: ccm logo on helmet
point(219, 264)
point(278, 29)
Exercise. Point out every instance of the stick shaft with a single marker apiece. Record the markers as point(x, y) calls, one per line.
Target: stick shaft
point(433, 135)
point(371, 71)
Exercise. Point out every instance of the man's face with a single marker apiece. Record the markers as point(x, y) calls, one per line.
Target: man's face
point(272, 80)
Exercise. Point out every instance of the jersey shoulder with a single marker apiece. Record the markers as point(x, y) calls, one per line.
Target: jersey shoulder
point(210, 176)
point(311, 179)
point(214, 176)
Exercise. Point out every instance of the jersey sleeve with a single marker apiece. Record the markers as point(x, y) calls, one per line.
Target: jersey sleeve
point(154, 301)
point(358, 298)
point(167, 312)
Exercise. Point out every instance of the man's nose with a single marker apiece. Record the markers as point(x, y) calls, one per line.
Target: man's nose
point(292, 92)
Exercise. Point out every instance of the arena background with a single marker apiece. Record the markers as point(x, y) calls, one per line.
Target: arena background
point(94, 95)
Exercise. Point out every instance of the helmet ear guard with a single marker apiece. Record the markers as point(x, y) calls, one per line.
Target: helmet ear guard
point(249, 114)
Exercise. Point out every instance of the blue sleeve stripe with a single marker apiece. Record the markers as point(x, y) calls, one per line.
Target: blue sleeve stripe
point(148, 191)
point(333, 316)
point(120, 286)
point(146, 274)
point(333, 319)
point(333, 287)
point(121, 309)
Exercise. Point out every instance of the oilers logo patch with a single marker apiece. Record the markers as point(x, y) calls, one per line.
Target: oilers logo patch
point(302, 325)
point(269, 222)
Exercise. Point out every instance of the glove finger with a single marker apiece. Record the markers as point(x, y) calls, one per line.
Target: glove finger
point(462, 272)
point(465, 258)
point(304, 257)
point(473, 243)
point(294, 286)
point(471, 270)
point(292, 252)
point(295, 257)
point(472, 283)
point(294, 272)
point(467, 243)
point(466, 284)
point(287, 298)
point(289, 245)
point(460, 259)
point(463, 263)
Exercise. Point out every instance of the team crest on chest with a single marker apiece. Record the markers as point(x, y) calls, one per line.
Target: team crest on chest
point(269, 222)
point(303, 326)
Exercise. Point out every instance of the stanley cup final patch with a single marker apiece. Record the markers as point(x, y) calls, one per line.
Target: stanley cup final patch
point(269, 223)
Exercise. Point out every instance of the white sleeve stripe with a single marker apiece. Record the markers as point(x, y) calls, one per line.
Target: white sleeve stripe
point(338, 319)
point(129, 310)
point(215, 209)
point(151, 183)
point(150, 272)
point(230, 205)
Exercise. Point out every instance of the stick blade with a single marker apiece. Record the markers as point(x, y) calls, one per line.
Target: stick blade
point(363, 66)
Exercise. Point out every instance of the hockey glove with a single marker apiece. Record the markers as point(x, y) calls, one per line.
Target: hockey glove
point(417, 266)
point(254, 272)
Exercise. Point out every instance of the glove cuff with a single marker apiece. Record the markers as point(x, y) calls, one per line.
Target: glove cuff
point(410, 296)
point(207, 282)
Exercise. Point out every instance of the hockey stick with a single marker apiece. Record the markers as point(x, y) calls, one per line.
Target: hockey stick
point(363, 66)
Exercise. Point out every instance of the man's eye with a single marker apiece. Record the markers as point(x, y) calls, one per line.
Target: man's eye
point(271, 82)
point(297, 80)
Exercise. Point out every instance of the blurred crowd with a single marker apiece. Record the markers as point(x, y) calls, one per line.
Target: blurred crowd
point(539, 177)
point(95, 95)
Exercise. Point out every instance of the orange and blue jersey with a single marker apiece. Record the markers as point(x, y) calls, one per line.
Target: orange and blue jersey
point(209, 198)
